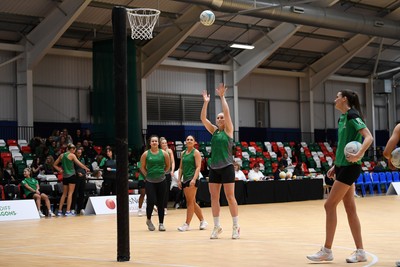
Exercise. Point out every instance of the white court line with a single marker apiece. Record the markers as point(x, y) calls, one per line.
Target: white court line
point(374, 261)
point(375, 258)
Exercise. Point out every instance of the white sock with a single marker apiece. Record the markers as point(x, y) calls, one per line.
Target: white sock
point(235, 220)
point(327, 249)
point(216, 221)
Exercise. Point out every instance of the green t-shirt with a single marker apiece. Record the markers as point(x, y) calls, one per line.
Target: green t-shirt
point(350, 123)
point(188, 165)
point(155, 165)
point(221, 150)
point(32, 182)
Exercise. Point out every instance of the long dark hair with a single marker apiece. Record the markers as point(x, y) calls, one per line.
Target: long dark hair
point(352, 99)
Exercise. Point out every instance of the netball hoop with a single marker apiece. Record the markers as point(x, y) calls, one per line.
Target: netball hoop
point(142, 21)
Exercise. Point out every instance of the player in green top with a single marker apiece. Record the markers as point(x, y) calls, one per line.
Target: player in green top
point(387, 153)
point(222, 171)
point(67, 161)
point(32, 191)
point(154, 163)
point(189, 170)
point(346, 169)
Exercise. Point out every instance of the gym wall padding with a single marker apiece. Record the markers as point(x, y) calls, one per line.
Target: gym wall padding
point(103, 96)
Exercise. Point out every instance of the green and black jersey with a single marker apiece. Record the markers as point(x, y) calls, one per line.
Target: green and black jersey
point(67, 165)
point(350, 123)
point(221, 150)
point(155, 165)
point(188, 165)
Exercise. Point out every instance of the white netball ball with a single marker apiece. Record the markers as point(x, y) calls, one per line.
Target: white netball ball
point(207, 18)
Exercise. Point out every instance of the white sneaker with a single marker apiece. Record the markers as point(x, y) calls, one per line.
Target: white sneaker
point(323, 255)
point(216, 231)
point(236, 232)
point(184, 227)
point(69, 214)
point(140, 213)
point(161, 227)
point(51, 214)
point(397, 263)
point(357, 256)
point(203, 225)
point(41, 215)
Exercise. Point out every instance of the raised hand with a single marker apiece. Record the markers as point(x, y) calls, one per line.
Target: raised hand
point(221, 90)
point(206, 97)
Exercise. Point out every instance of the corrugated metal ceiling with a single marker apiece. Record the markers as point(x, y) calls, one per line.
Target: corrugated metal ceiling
point(208, 44)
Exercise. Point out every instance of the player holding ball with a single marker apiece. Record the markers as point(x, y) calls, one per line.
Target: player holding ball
point(346, 169)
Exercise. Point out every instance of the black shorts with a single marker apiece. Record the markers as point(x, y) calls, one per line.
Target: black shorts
point(347, 174)
point(187, 183)
point(29, 196)
point(70, 180)
point(222, 176)
point(142, 184)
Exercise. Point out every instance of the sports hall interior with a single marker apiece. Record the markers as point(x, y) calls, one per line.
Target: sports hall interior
point(56, 72)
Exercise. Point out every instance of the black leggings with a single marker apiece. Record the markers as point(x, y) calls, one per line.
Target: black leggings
point(168, 178)
point(156, 196)
point(78, 198)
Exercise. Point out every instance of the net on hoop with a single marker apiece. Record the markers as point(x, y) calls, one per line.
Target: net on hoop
point(142, 21)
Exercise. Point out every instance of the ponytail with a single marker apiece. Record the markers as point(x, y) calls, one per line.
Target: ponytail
point(353, 100)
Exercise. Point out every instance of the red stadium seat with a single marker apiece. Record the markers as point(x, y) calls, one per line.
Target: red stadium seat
point(12, 142)
point(267, 155)
point(244, 144)
point(98, 149)
point(26, 149)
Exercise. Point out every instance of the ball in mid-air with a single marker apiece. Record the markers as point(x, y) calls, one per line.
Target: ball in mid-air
point(207, 17)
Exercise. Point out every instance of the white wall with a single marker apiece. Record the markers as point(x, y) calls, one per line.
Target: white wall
point(62, 85)
point(173, 80)
point(246, 113)
point(282, 94)
point(61, 88)
point(8, 96)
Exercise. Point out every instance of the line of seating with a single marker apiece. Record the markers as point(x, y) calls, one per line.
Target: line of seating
point(316, 157)
point(17, 152)
point(376, 182)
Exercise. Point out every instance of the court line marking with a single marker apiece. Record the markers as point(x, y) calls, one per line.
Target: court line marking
point(375, 259)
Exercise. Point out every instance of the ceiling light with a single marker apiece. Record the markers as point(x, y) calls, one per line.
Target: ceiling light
point(242, 46)
point(297, 9)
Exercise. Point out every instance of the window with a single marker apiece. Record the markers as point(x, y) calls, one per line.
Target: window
point(174, 108)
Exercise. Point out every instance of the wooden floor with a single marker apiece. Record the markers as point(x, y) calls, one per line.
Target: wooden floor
point(271, 235)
